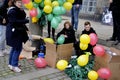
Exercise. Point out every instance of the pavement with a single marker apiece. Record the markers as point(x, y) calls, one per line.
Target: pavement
point(30, 72)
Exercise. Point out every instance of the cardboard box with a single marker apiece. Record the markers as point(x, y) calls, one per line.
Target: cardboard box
point(110, 60)
point(58, 52)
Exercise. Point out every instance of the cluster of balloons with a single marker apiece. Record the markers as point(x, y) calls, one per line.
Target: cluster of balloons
point(103, 73)
point(53, 9)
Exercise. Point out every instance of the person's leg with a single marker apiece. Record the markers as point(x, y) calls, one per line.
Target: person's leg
point(76, 16)
point(53, 33)
point(49, 28)
point(10, 56)
point(72, 15)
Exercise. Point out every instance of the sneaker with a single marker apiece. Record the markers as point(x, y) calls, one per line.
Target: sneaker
point(16, 69)
point(1, 54)
point(116, 42)
point(10, 67)
point(110, 39)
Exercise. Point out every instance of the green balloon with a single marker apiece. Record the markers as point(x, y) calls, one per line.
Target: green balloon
point(35, 4)
point(50, 17)
point(61, 39)
point(42, 4)
point(63, 10)
point(61, 2)
point(39, 12)
point(54, 23)
point(57, 10)
point(58, 18)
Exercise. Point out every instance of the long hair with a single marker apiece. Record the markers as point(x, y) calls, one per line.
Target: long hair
point(67, 22)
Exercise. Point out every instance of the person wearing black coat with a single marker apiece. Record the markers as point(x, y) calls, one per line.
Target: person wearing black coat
point(3, 23)
point(115, 8)
point(77, 5)
point(16, 33)
point(87, 30)
point(68, 33)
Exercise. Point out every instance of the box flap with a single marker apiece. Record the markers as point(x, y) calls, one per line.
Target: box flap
point(114, 50)
point(50, 47)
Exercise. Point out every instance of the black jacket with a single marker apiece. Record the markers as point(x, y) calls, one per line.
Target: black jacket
point(3, 12)
point(88, 32)
point(16, 31)
point(70, 33)
point(78, 2)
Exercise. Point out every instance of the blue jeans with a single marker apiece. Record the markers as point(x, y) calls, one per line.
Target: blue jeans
point(2, 37)
point(75, 15)
point(14, 56)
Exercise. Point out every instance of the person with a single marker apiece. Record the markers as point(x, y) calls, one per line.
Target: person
point(115, 8)
point(68, 33)
point(49, 30)
point(3, 23)
point(16, 33)
point(87, 30)
point(77, 5)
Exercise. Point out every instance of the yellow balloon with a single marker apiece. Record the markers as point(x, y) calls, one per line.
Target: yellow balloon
point(47, 2)
point(47, 9)
point(83, 46)
point(62, 64)
point(29, 5)
point(85, 39)
point(49, 40)
point(92, 75)
point(67, 5)
point(34, 19)
point(83, 60)
point(55, 3)
point(38, 1)
point(71, 1)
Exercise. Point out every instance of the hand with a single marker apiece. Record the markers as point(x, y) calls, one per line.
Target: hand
point(65, 36)
point(4, 21)
point(77, 5)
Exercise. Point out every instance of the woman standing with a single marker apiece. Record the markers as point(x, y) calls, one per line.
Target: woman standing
point(16, 33)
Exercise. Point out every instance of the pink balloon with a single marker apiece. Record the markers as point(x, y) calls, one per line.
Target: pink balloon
point(33, 12)
point(104, 73)
point(93, 39)
point(40, 62)
point(99, 50)
point(25, 1)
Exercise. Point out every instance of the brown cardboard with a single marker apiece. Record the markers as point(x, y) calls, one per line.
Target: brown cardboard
point(58, 52)
point(110, 61)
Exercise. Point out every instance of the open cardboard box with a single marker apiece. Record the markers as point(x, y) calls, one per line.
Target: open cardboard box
point(111, 61)
point(57, 52)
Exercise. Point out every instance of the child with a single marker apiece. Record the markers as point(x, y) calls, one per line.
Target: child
point(68, 33)
point(87, 30)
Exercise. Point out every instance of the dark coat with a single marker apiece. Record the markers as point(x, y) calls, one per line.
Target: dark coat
point(3, 12)
point(70, 33)
point(78, 2)
point(16, 31)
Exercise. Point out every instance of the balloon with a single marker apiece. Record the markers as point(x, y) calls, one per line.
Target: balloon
point(57, 10)
point(92, 75)
point(67, 5)
point(39, 12)
point(42, 4)
point(63, 10)
point(49, 40)
point(25, 1)
point(34, 19)
point(61, 39)
point(29, 5)
point(83, 46)
point(104, 73)
point(54, 23)
point(71, 1)
point(61, 2)
point(93, 39)
point(40, 62)
point(49, 17)
point(38, 1)
point(47, 2)
point(55, 3)
point(35, 4)
point(83, 60)
point(33, 12)
point(99, 50)
point(47, 9)
point(85, 39)
point(62, 64)
point(59, 19)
